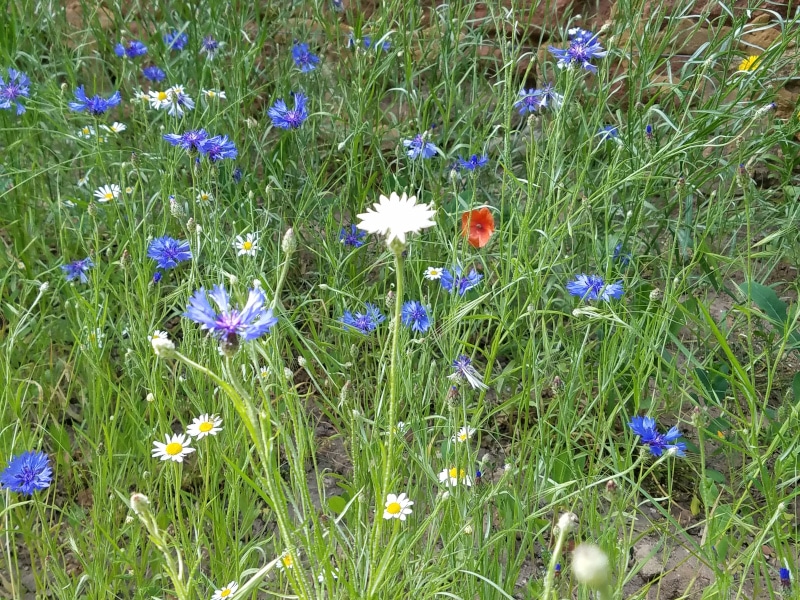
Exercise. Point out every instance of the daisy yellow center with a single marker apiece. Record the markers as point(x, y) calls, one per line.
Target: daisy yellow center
point(206, 426)
point(453, 472)
point(225, 593)
point(749, 64)
point(247, 245)
point(174, 448)
point(108, 196)
point(435, 272)
point(86, 131)
point(287, 561)
point(162, 96)
point(211, 94)
point(462, 437)
point(393, 508)
point(203, 196)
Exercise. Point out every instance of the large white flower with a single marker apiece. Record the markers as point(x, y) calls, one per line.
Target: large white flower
point(397, 507)
point(175, 448)
point(396, 216)
point(204, 425)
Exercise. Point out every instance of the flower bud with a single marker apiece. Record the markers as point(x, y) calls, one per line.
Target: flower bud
point(655, 295)
point(289, 243)
point(140, 504)
point(567, 522)
point(591, 566)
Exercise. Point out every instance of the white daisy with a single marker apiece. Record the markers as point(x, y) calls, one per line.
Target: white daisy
point(454, 476)
point(212, 94)
point(141, 96)
point(397, 507)
point(115, 127)
point(129, 190)
point(175, 448)
point(396, 216)
point(247, 245)
point(286, 562)
point(158, 99)
point(83, 181)
point(433, 273)
point(158, 335)
point(94, 337)
point(204, 197)
point(227, 592)
point(205, 425)
point(86, 132)
point(463, 434)
point(106, 193)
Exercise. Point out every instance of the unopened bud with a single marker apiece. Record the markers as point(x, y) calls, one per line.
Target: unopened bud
point(301, 361)
point(289, 243)
point(591, 566)
point(288, 373)
point(150, 397)
point(175, 208)
point(656, 294)
point(140, 504)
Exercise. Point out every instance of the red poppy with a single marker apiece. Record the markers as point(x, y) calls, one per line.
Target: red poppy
point(477, 226)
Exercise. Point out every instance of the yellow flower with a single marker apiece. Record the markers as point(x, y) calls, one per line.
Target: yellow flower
point(750, 63)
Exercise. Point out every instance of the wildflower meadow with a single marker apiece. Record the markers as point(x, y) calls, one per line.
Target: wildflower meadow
point(391, 300)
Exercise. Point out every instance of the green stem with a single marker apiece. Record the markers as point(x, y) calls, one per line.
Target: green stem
point(549, 578)
point(388, 463)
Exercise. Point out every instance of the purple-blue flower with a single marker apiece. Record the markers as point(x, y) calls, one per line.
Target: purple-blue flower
point(645, 428)
point(419, 146)
point(237, 175)
point(157, 276)
point(415, 316)
point(594, 287)
point(191, 141)
point(583, 48)
point(454, 281)
point(533, 100)
point(473, 162)
point(785, 577)
point(27, 473)
point(218, 148)
point(96, 105)
point(230, 324)
point(17, 86)
point(367, 40)
point(78, 270)
point(352, 237)
point(154, 73)
point(608, 132)
point(463, 370)
point(621, 255)
point(175, 40)
point(132, 49)
point(648, 132)
point(364, 322)
point(283, 118)
point(304, 59)
point(210, 46)
point(576, 34)
point(168, 252)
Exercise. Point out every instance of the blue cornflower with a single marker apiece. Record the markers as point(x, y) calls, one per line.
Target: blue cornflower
point(283, 118)
point(133, 49)
point(464, 370)
point(786, 577)
point(153, 73)
point(368, 43)
point(533, 100)
point(17, 86)
point(237, 175)
point(304, 59)
point(594, 287)
point(621, 256)
point(157, 276)
point(419, 146)
point(168, 252)
point(609, 132)
point(352, 237)
point(415, 316)
point(191, 141)
point(648, 132)
point(645, 428)
point(230, 324)
point(218, 148)
point(453, 280)
point(78, 270)
point(583, 48)
point(96, 105)
point(210, 46)
point(338, 5)
point(175, 40)
point(576, 34)
point(364, 322)
point(473, 162)
point(27, 473)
